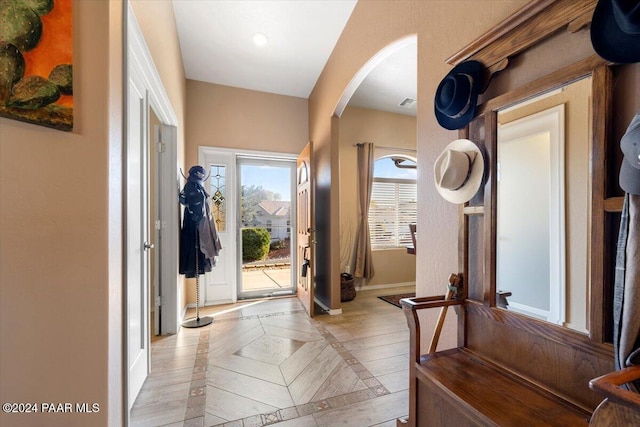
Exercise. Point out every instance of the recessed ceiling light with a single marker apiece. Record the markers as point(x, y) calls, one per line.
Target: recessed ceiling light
point(260, 39)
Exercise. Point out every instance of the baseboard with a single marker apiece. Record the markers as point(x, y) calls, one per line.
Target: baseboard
point(328, 310)
point(218, 302)
point(385, 286)
point(187, 307)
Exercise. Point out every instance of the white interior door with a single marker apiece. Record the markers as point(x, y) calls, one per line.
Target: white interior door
point(171, 301)
point(137, 235)
point(154, 224)
point(148, 81)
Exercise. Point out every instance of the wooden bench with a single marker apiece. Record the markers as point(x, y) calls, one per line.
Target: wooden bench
point(459, 388)
point(621, 407)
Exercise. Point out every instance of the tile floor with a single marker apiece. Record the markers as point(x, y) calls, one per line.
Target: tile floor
point(265, 362)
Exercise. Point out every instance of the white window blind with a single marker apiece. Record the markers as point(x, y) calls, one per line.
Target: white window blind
point(393, 207)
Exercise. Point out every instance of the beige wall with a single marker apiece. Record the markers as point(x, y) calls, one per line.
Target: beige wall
point(60, 253)
point(61, 228)
point(372, 26)
point(384, 130)
point(224, 116)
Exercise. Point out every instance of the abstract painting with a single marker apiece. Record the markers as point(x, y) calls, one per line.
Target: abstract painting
point(36, 62)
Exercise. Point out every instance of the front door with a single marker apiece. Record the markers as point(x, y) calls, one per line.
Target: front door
point(266, 215)
point(137, 244)
point(305, 231)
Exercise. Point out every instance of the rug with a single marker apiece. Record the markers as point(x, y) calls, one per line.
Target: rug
point(395, 299)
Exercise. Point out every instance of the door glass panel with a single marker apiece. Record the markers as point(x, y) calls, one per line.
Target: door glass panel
point(218, 179)
point(265, 216)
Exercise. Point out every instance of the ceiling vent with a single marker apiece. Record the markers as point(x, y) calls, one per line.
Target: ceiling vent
point(408, 103)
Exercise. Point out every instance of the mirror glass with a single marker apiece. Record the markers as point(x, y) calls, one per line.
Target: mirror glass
point(543, 204)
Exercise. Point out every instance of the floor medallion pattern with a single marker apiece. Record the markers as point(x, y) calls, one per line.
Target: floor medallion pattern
point(268, 363)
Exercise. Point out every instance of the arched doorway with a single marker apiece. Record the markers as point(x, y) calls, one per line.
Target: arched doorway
point(378, 105)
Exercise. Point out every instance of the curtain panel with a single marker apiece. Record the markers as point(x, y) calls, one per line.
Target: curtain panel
point(364, 257)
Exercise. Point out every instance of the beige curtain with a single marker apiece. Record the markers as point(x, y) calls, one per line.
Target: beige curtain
point(364, 258)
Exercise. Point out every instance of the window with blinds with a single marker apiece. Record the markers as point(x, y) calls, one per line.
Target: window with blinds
point(393, 207)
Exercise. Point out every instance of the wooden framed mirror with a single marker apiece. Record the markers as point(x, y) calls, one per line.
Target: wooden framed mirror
point(573, 262)
point(579, 196)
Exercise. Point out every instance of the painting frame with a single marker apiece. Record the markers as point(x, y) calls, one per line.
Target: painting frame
point(36, 62)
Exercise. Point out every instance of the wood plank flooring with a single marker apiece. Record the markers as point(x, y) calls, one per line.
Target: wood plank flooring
point(265, 362)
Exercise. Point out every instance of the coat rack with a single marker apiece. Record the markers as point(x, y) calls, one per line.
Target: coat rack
point(198, 322)
point(197, 175)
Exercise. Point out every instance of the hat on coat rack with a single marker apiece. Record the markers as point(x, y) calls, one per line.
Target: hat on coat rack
point(615, 30)
point(630, 168)
point(197, 174)
point(457, 95)
point(458, 171)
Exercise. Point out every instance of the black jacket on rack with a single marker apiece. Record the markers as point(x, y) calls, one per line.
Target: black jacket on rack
point(194, 199)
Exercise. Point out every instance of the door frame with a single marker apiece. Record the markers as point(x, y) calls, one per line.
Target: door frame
point(207, 151)
point(168, 173)
point(138, 60)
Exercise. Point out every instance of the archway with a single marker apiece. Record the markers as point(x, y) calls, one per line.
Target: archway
point(392, 129)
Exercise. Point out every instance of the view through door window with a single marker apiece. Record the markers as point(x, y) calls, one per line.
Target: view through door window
point(266, 214)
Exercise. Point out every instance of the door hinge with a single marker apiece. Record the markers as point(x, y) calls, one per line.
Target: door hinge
point(158, 301)
point(158, 224)
point(161, 147)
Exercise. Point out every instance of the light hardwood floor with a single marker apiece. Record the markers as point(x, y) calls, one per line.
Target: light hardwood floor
point(265, 362)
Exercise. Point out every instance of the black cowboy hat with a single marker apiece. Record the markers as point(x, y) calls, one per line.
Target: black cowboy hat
point(457, 95)
point(615, 30)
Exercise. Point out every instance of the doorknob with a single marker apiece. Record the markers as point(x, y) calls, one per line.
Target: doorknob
point(148, 246)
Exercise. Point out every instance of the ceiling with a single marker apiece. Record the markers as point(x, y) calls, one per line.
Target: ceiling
point(390, 83)
point(217, 47)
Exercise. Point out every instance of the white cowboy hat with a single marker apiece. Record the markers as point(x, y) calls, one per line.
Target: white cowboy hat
point(458, 171)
